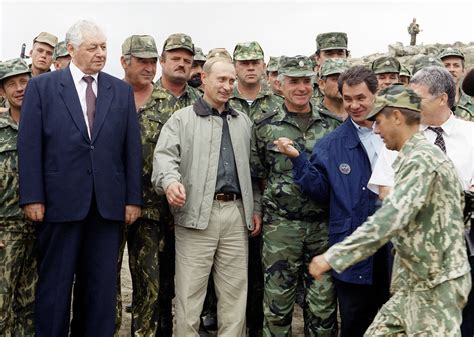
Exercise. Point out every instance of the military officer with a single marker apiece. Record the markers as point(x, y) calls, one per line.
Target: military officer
point(423, 218)
point(332, 104)
point(387, 71)
point(139, 61)
point(295, 227)
point(17, 262)
point(42, 53)
point(249, 96)
point(328, 45)
point(61, 57)
point(195, 79)
point(453, 60)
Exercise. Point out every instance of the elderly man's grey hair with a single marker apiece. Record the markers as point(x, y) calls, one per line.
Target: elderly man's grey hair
point(82, 30)
point(438, 80)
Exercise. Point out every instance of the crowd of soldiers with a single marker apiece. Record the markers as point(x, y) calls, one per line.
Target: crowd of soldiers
point(312, 153)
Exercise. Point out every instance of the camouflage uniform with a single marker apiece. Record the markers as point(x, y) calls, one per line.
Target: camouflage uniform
point(327, 41)
point(464, 107)
point(331, 67)
point(423, 217)
point(143, 236)
point(295, 228)
point(17, 261)
point(265, 100)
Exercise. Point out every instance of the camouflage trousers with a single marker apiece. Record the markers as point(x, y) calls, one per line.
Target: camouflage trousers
point(143, 240)
point(433, 312)
point(288, 247)
point(18, 277)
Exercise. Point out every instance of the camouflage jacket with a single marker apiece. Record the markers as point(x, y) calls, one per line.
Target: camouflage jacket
point(152, 116)
point(282, 196)
point(422, 216)
point(323, 110)
point(265, 102)
point(10, 212)
point(464, 109)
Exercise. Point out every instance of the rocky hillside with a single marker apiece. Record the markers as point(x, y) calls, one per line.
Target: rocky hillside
point(408, 54)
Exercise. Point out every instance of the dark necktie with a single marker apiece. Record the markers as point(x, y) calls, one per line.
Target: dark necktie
point(439, 141)
point(90, 101)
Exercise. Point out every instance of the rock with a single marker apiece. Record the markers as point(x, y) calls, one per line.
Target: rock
point(408, 54)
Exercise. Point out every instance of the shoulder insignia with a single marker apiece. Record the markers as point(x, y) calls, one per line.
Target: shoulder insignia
point(266, 116)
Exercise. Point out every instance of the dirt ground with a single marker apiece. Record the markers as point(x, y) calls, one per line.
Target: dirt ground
point(127, 299)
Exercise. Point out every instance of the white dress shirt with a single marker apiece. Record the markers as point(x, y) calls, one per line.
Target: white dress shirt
point(458, 136)
point(81, 86)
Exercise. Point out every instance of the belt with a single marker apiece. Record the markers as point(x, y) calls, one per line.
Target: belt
point(226, 196)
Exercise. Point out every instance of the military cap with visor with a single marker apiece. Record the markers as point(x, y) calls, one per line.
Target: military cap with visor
point(386, 64)
point(296, 66)
point(246, 51)
point(48, 38)
point(199, 55)
point(142, 46)
point(60, 50)
point(426, 61)
point(13, 67)
point(395, 96)
point(334, 66)
point(179, 41)
point(332, 40)
point(273, 64)
point(404, 71)
point(450, 52)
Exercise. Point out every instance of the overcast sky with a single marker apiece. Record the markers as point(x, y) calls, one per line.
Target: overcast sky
point(281, 27)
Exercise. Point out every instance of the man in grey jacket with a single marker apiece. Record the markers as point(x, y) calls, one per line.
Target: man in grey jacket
point(201, 163)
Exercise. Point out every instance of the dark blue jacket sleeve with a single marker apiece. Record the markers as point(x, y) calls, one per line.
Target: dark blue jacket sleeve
point(30, 148)
point(310, 175)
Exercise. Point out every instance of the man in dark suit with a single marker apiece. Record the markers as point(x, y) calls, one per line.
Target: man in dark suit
point(80, 179)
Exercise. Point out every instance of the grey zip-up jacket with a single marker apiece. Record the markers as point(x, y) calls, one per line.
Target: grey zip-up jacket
point(188, 152)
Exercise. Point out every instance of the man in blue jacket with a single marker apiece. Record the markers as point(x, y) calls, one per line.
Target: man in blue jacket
point(338, 172)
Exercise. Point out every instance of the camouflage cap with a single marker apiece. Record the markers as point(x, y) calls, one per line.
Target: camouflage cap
point(13, 67)
point(332, 40)
point(245, 51)
point(395, 96)
point(273, 64)
point(296, 66)
point(219, 52)
point(199, 55)
point(386, 64)
point(48, 38)
point(450, 52)
point(142, 46)
point(179, 41)
point(404, 71)
point(334, 66)
point(60, 50)
point(426, 61)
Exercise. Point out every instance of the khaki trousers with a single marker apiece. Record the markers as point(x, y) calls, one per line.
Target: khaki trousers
point(223, 249)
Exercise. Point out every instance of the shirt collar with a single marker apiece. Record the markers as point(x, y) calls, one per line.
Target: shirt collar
point(77, 73)
point(202, 108)
point(447, 126)
point(361, 129)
